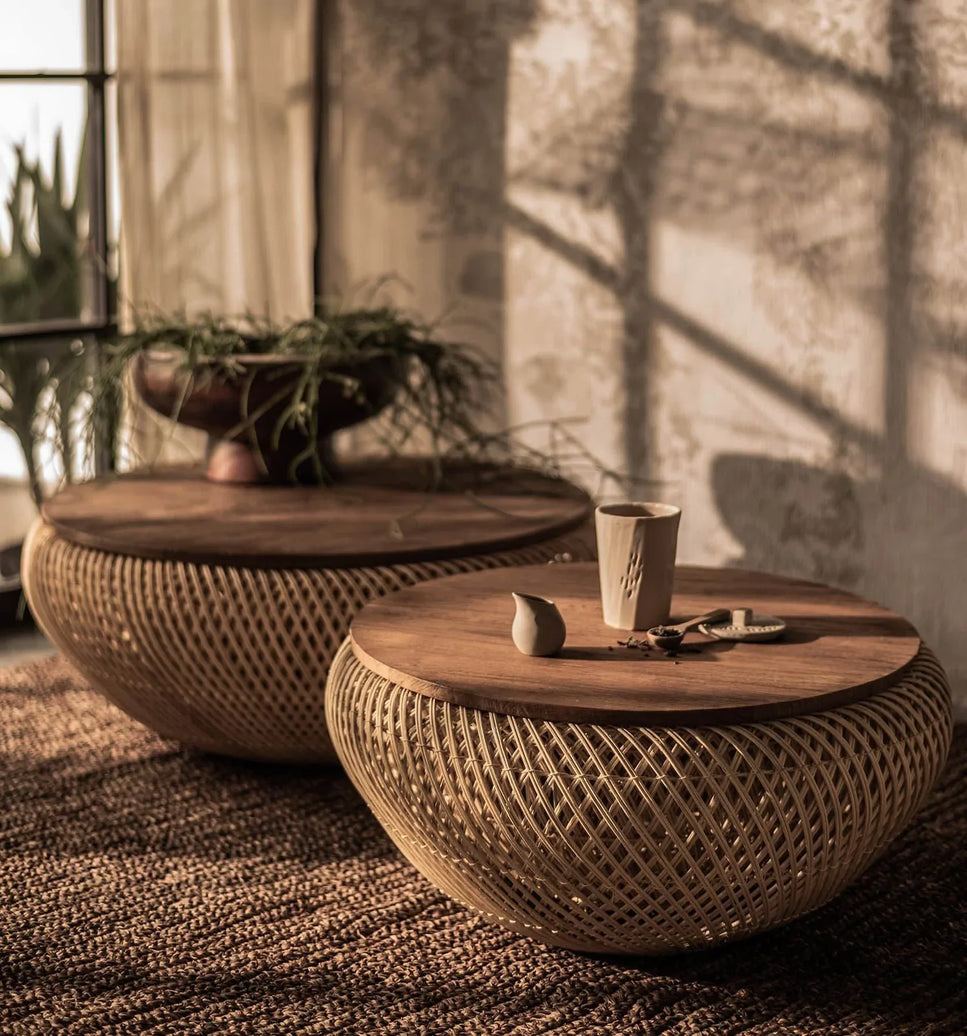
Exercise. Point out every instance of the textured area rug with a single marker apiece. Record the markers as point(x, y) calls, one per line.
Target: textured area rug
point(150, 889)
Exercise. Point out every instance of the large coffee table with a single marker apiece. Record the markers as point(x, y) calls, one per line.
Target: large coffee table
point(617, 800)
point(211, 612)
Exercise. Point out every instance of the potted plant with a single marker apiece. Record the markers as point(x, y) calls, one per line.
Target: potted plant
point(272, 396)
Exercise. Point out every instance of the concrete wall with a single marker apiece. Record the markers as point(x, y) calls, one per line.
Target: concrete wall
point(729, 234)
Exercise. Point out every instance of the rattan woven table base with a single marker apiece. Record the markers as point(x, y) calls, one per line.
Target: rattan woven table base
point(225, 658)
point(635, 839)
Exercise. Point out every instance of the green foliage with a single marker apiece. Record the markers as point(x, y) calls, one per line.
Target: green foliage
point(41, 279)
point(441, 388)
point(24, 377)
point(42, 272)
point(438, 387)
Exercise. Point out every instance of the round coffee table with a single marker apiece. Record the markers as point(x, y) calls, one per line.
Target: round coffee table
point(618, 800)
point(211, 612)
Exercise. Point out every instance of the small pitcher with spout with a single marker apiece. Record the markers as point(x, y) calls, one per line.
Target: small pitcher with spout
point(538, 627)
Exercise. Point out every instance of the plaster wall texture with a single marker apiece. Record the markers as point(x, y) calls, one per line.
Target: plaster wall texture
point(728, 235)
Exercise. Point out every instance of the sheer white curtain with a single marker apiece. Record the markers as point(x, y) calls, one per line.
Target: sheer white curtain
point(216, 165)
point(216, 154)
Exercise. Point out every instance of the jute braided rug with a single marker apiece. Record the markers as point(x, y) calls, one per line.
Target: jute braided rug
point(146, 888)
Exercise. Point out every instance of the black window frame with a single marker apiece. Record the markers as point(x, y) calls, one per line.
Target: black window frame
point(96, 76)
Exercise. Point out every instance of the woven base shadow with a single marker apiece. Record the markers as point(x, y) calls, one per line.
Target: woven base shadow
point(145, 888)
point(223, 658)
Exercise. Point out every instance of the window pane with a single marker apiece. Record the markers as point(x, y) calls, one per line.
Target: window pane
point(46, 260)
point(12, 464)
point(42, 34)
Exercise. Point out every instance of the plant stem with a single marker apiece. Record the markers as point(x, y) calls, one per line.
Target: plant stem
point(26, 440)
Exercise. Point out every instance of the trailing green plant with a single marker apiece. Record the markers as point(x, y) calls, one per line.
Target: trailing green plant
point(438, 387)
point(442, 390)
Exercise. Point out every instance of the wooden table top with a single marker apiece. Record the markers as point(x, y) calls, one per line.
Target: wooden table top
point(377, 514)
point(450, 639)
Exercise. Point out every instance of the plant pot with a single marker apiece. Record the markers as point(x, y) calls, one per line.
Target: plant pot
point(246, 405)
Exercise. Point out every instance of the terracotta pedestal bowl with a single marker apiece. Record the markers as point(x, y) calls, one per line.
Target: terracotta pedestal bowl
point(242, 410)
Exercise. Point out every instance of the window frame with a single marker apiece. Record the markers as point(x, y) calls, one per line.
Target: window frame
point(96, 76)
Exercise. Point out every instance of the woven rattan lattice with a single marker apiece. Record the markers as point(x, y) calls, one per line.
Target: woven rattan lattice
point(227, 658)
point(635, 839)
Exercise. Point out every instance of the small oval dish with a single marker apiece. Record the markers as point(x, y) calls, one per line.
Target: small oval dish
point(744, 625)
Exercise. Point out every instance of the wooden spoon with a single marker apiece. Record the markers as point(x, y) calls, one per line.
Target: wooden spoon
point(669, 638)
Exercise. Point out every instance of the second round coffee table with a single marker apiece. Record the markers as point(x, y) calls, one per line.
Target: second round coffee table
point(622, 801)
point(211, 612)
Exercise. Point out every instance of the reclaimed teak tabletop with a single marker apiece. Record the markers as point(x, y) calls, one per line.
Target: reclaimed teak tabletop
point(380, 512)
point(211, 612)
point(451, 640)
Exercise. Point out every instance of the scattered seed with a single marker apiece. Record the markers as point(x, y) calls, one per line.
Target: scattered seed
point(636, 643)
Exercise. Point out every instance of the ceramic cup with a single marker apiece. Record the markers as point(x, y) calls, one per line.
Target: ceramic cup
point(636, 562)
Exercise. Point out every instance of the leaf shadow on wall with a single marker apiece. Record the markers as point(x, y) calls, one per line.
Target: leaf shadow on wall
point(427, 84)
point(817, 155)
point(808, 518)
point(797, 142)
point(820, 524)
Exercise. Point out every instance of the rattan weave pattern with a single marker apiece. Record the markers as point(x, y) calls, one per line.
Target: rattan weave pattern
point(633, 839)
point(221, 657)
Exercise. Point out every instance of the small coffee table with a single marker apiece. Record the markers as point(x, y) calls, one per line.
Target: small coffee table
point(618, 800)
point(211, 612)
